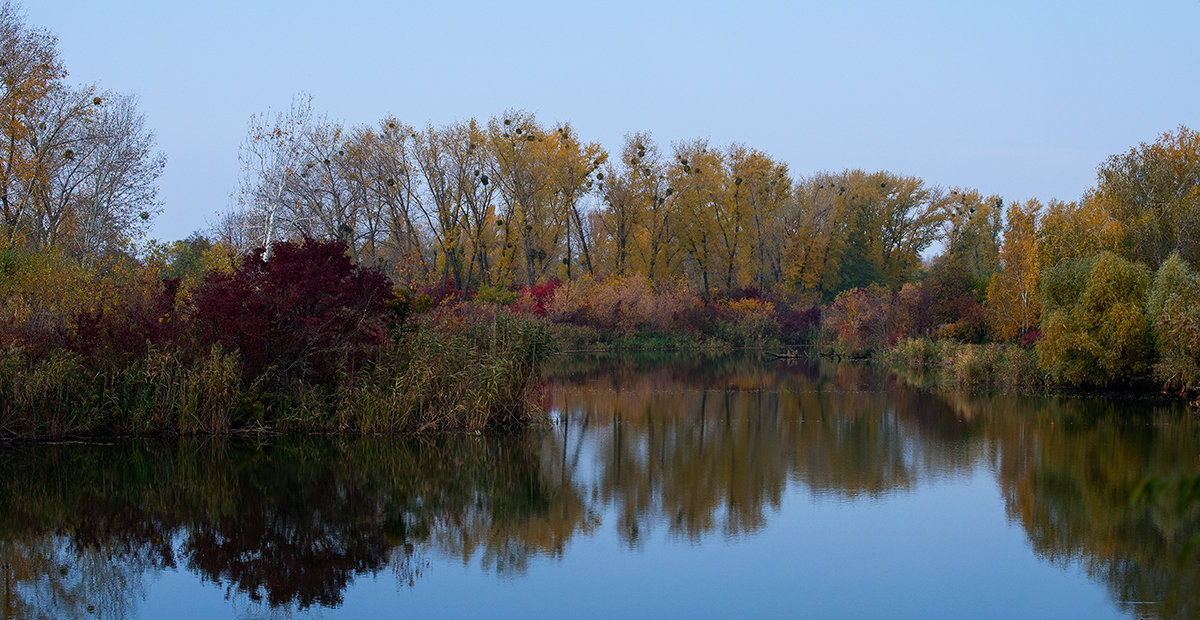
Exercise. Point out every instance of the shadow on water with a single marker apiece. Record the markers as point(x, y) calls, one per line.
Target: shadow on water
point(692, 447)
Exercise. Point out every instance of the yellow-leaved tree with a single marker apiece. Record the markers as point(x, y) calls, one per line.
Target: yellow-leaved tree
point(1012, 295)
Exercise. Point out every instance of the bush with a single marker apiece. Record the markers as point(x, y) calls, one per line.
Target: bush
point(309, 312)
point(1094, 328)
point(495, 295)
point(799, 326)
point(753, 323)
point(1018, 367)
point(856, 321)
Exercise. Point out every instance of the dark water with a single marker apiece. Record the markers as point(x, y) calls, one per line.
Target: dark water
point(664, 487)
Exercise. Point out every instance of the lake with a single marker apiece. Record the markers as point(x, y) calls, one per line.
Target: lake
point(662, 485)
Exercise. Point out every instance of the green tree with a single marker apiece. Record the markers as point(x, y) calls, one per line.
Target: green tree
point(1094, 329)
point(1173, 313)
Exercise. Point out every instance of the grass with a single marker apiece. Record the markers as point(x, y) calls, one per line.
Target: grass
point(970, 365)
point(443, 374)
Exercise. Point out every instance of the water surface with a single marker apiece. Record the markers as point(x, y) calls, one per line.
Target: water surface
point(669, 486)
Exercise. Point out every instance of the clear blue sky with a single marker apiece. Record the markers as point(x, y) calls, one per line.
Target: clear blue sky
point(1020, 98)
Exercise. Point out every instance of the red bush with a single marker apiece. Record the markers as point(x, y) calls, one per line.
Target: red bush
point(307, 311)
point(537, 299)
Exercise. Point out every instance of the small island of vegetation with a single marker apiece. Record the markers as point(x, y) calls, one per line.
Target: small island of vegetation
point(388, 277)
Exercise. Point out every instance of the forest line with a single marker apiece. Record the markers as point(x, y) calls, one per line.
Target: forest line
point(369, 264)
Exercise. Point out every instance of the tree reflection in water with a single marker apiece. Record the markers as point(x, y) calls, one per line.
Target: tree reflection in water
point(695, 448)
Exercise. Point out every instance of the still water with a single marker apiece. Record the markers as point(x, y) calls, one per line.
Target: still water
point(677, 486)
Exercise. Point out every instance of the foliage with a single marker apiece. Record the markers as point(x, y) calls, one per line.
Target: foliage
point(467, 368)
point(495, 295)
point(857, 321)
point(1173, 314)
point(918, 352)
point(754, 323)
point(1153, 192)
point(1094, 329)
point(798, 326)
point(80, 168)
point(855, 228)
point(1012, 294)
point(537, 299)
point(625, 305)
point(307, 313)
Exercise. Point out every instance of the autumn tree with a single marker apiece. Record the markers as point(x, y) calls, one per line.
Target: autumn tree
point(270, 157)
point(972, 226)
point(381, 160)
point(1074, 230)
point(79, 168)
point(1012, 295)
point(855, 228)
point(576, 168)
point(709, 226)
point(534, 224)
point(31, 71)
point(763, 186)
point(1153, 191)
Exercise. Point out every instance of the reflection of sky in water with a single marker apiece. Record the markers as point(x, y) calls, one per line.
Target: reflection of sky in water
point(698, 489)
point(944, 550)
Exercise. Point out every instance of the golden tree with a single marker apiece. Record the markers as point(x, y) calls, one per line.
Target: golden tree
point(1012, 296)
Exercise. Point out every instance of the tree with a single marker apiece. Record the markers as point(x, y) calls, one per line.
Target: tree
point(855, 228)
point(522, 165)
point(972, 227)
point(270, 157)
point(119, 195)
point(764, 187)
point(79, 168)
point(1173, 313)
point(1094, 328)
point(707, 222)
point(1075, 230)
point(31, 71)
point(1153, 191)
point(1012, 295)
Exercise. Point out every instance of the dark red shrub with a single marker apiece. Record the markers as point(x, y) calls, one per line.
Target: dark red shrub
point(1031, 337)
point(799, 326)
point(308, 311)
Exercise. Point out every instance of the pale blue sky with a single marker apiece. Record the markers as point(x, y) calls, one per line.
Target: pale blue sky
point(1022, 99)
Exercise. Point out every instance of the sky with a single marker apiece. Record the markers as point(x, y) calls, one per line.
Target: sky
point(1023, 99)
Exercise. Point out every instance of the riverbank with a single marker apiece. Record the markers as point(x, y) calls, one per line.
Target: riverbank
point(444, 374)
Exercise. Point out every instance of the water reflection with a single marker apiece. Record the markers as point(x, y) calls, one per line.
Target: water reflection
point(690, 447)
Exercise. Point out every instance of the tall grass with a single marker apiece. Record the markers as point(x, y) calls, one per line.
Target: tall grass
point(462, 373)
point(970, 365)
point(457, 373)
